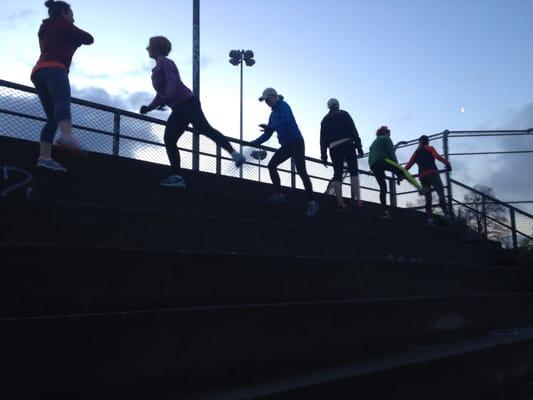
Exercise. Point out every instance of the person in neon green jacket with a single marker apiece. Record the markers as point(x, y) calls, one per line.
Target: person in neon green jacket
point(383, 158)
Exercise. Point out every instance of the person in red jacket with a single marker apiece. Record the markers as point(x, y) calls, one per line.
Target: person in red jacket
point(428, 173)
point(58, 39)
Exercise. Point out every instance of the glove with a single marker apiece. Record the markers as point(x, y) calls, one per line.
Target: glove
point(449, 167)
point(325, 160)
point(144, 110)
point(360, 152)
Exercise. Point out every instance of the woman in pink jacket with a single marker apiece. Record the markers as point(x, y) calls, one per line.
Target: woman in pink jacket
point(186, 109)
point(58, 39)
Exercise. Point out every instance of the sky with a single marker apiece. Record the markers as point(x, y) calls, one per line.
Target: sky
point(418, 66)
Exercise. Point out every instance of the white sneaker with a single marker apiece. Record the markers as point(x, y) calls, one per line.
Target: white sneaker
point(50, 164)
point(277, 198)
point(174, 181)
point(312, 208)
point(238, 158)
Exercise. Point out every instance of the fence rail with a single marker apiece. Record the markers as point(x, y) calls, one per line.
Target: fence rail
point(118, 132)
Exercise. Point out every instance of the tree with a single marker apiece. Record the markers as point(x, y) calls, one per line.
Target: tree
point(484, 215)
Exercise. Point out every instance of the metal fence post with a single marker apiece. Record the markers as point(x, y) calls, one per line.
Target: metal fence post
point(446, 145)
point(293, 173)
point(196, 78)
point(513, 226)
point(393, 196)
point(219, 161)
point(484, 208)
point(116, 134)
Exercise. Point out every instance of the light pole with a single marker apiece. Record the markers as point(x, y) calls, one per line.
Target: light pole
point(196, 77)
point(241, 57)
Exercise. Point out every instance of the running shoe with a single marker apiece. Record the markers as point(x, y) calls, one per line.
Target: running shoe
point(312, 208)
point(277, 198)
point(238, 158)
point(342, 207)
point(175, 181)
point(448, 219)
point(51, 165)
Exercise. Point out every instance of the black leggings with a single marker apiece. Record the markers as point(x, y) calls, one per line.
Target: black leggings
point(379, 169)
point(190, 111)
point(341, 153)
point(53, 89)
point(296, 151)
point(434, 181)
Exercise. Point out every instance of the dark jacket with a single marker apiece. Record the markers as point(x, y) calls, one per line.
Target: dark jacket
point(59, 40)
point(338, 125)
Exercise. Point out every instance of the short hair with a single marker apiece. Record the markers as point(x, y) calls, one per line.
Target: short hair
point(383, 131)
point(56, 8)
point(161, 45)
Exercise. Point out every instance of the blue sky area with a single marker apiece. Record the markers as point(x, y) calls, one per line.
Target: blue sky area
point(409, 64)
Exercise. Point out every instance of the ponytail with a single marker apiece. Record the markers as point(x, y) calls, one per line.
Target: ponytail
point(57, 8)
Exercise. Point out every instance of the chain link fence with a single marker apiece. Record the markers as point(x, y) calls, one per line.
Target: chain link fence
point(491, 217)
point(112, 131)
point(109, 130)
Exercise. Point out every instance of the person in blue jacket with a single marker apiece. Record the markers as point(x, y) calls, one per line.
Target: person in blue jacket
point(292, 146)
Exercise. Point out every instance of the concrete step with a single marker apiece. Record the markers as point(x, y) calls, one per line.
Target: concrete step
point(202, 348)
point(148, 196)
point(51, 280)
point(36, 221)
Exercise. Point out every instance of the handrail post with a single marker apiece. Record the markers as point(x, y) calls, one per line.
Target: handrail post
point(293, 173)
point(513, 226)
point(446, 145)
point(196, 79)
point(116, 134)
point(219, 161)
point(393, 196)
point(484, 208)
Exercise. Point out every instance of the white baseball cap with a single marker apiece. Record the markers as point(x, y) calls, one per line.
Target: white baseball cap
point(267, 93)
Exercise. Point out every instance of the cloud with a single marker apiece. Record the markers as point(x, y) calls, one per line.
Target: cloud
point(11, 19)
point(521, 119)
point(28, 103)
point(130, 101)
point(510, 175)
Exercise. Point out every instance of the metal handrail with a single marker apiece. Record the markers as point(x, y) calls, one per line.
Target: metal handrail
point(491, 198)
point(116, 134)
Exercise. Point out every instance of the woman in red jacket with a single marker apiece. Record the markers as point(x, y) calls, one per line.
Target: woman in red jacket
point(58, 40)
point(425, 157)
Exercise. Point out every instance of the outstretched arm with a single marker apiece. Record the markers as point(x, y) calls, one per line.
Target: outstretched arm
point(411, 161)
point(78, 36)
point(437, 156)
point(263, 138)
